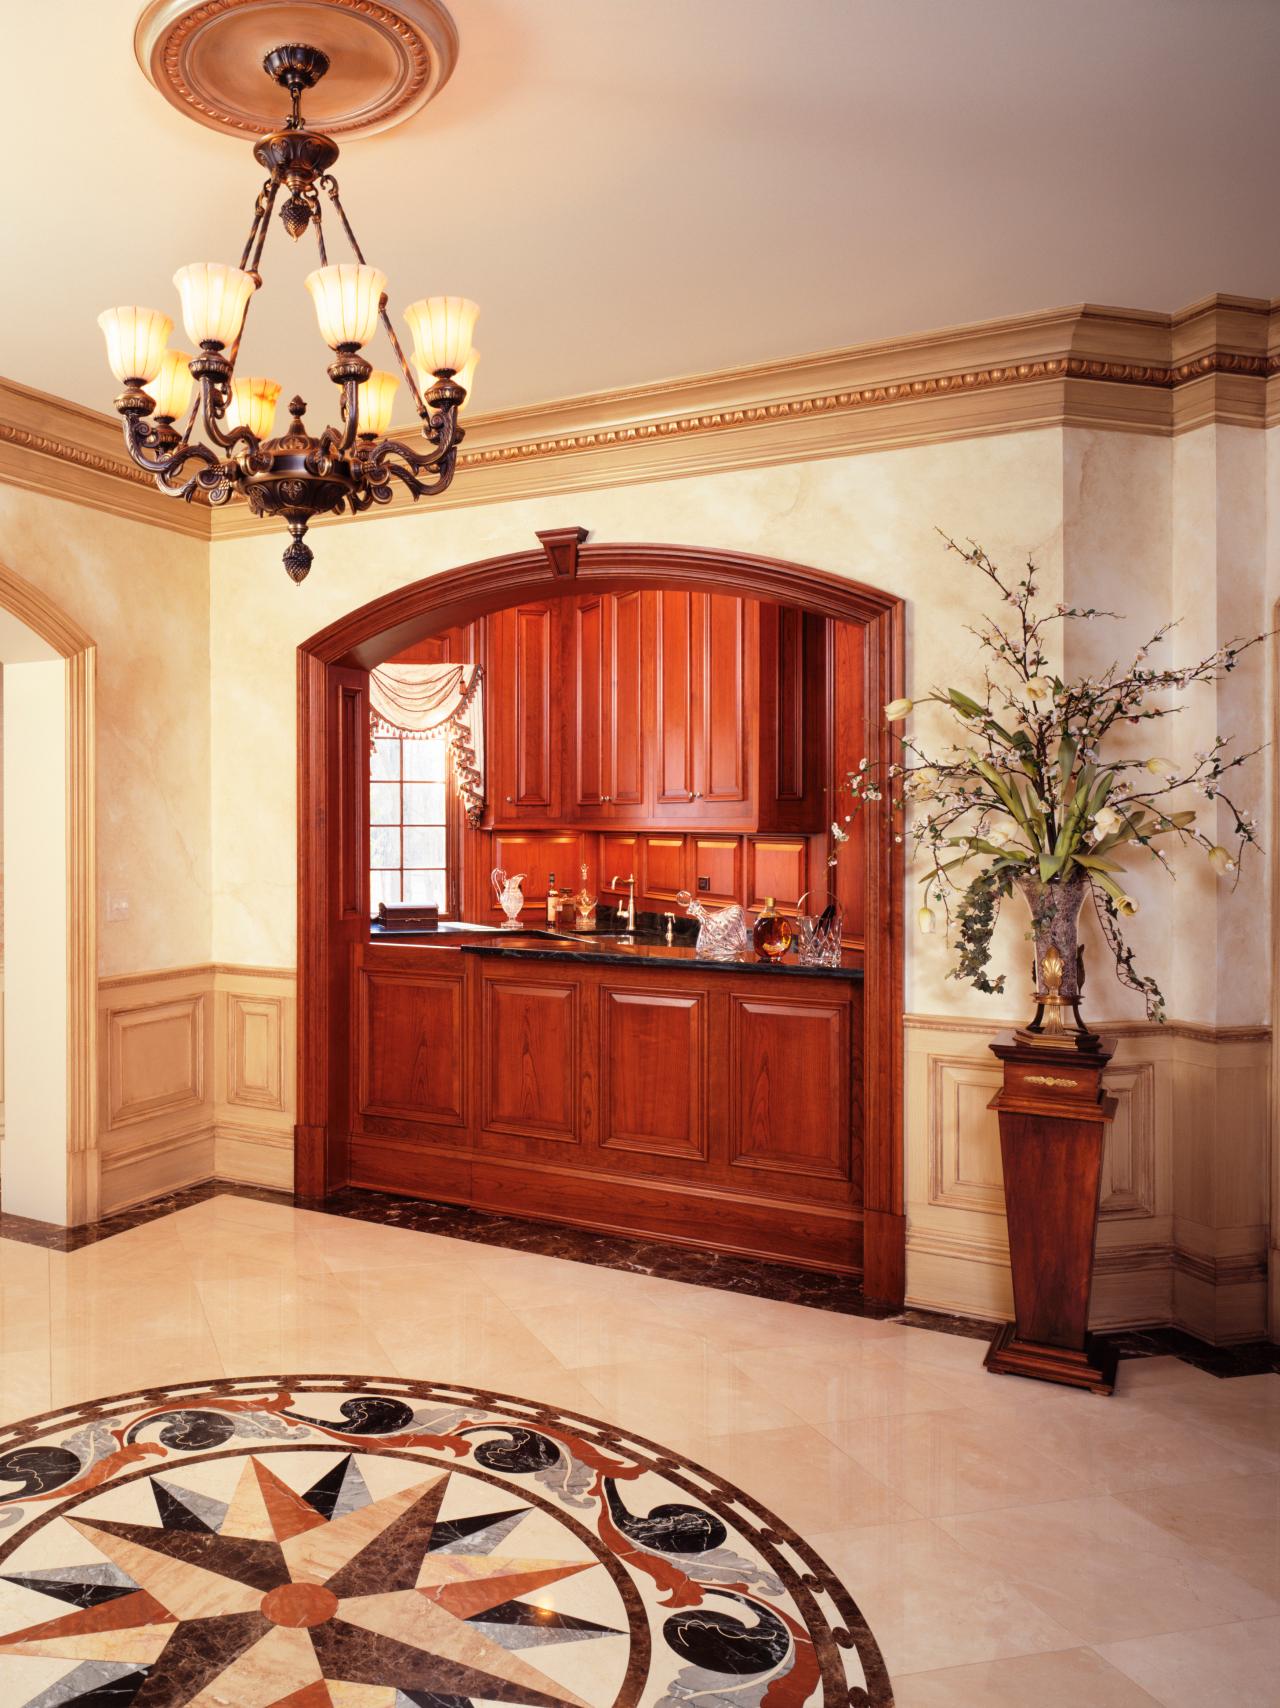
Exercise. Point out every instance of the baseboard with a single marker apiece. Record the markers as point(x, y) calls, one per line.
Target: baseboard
point(252, 1156)
point(134, 1173)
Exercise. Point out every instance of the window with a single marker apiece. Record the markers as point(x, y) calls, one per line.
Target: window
point(408, 836)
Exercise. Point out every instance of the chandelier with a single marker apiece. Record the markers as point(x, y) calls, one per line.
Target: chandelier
point(293, 476)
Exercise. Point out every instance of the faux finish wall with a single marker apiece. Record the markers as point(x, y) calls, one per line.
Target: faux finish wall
point(142, 593)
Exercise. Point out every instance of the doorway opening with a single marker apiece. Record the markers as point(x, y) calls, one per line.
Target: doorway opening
point(48, 1167)
point(333, 848)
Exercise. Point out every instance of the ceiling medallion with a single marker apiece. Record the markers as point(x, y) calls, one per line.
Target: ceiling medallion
point(390, 58)
point(293, 476)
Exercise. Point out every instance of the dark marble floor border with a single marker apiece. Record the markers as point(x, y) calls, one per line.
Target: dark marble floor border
point(754, 1277)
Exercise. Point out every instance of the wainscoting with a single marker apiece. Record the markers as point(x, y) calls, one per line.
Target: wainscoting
point(1182, 1233)
point(198, 1083)
point(197, 1071)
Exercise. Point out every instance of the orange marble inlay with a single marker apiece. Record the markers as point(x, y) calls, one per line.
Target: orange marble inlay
point(299, 1604)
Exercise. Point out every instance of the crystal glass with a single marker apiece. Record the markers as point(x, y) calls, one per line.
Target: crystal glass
point(510, 895)
point(819, 935)
point(722, 931)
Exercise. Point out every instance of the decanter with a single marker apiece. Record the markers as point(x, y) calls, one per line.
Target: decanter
point(771, 933)
point(584, 904)
point(722, 931)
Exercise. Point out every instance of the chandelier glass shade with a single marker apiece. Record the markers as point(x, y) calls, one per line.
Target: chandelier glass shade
point(294, 475)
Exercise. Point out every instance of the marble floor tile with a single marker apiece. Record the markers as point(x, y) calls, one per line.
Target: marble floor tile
point(930, 1604)
point(1104, 1572)
point(802, 1477)
point(1232, 1521)
point(1069, 1678)
point(957, 1461)
point(1222, 1666)
point(705, 1397)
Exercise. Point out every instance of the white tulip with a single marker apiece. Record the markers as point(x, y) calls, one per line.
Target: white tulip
point(1127, 906)
point(897, 709)
point(927, 920)
point(1221, 861)
point(1037, 687)
point(1105, 820)
point(1161, 767)
point(998, 836)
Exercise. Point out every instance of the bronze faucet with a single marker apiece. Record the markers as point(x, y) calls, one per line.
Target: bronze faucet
point(630, 883)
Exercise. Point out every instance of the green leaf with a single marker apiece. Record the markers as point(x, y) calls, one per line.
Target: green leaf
point(963, 703)
point(1095, 863)
point(1067, 750)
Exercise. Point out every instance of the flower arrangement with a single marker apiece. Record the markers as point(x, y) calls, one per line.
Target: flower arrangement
point(1029, 799)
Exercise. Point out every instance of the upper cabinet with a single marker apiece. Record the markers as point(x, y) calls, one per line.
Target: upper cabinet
point(663, 708)
point(523, 721)
point(704, 737)
point(605, 750)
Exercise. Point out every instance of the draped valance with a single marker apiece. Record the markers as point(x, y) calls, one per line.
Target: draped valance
point(436, 702)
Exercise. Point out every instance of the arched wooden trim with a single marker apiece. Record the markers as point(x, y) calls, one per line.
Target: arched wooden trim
point(33, 606)
point(330, 666)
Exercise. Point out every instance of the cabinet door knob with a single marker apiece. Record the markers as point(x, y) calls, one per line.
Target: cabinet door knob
point(510, 797)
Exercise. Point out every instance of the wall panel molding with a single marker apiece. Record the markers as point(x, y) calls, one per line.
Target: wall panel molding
point(155, 1059)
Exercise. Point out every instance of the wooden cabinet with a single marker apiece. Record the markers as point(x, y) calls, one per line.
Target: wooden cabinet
point(665, 709)
point(606, 750)
point(715, 1106)
point(524, 723)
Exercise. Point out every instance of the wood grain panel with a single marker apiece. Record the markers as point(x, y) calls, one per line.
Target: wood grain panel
point(677, 698)
point(529, 1057)
point(591, 684)
point(653, 1071)
point(719, 860)
point(777, 866)
point(155, 1059)
point(537, 855)
point(663, 867)
point(789, 1077)
point(728, 713)
point(411, 1046)
point(626, 724)
point(255, 1051)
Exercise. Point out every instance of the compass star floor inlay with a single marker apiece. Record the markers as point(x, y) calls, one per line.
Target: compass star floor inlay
point(330, 1542)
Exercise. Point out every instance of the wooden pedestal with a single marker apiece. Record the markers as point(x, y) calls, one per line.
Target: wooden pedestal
point(1053, 1120)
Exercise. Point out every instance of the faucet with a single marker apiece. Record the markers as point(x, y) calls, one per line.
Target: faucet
point(630, 882)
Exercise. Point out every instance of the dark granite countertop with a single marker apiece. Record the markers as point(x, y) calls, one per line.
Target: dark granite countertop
point(533, 945)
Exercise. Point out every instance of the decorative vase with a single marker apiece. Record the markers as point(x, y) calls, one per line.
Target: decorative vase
point(1058, 974)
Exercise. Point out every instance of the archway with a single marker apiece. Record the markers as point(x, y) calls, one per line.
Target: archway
point(50, 1035)
point(332, 740)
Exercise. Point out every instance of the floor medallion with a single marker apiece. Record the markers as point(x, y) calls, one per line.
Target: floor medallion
point(337, 1542)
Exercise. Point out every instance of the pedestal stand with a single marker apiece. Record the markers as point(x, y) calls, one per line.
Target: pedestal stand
point(1053, 1120)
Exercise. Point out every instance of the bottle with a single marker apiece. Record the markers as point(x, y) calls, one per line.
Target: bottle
point(551, 900)
point(772, 933)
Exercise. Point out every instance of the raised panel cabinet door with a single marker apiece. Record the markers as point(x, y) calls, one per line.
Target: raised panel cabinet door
point(789, 1080)
point(524, 715)
point(653, 1072)
point(591, 691)
point(529, 1037)
point(726, 750)
point(410, 1044)
point(676, 703)
point(625, 724)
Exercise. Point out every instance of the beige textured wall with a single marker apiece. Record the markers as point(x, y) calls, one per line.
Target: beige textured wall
point(868, 517)
point(142, 593)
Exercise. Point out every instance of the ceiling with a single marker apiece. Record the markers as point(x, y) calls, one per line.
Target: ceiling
point(636, 189)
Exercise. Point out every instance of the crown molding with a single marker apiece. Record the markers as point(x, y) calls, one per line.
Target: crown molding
point(1090, 366)
point(66, 451)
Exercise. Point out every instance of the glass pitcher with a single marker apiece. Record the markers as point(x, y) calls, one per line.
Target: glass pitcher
point(722, 931)
point(510, 895)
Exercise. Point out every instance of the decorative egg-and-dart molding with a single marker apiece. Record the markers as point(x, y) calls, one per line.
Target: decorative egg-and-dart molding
point(389, 58)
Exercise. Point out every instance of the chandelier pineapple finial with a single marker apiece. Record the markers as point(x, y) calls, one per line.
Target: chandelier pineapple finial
point(293, 476)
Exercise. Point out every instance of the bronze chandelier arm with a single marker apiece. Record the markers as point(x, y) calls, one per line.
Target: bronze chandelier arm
point(421, 488)
point(141, 438)
point(338, 444)
point(211, 394)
